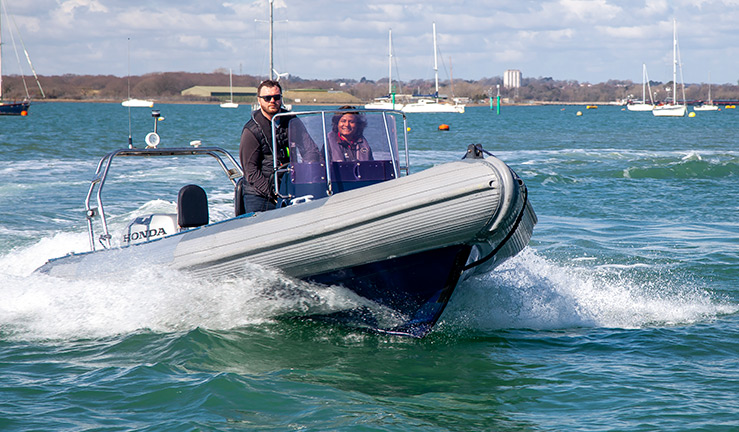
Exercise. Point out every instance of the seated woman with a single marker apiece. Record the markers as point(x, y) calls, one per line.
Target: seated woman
point(346, 141)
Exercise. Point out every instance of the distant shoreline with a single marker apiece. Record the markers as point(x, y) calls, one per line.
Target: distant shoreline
point(184, 102)
point(168, 88)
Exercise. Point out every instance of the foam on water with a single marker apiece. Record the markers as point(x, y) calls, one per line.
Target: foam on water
point(37, 306)
point(159, 300)
point(22, 261)
point(532, 292)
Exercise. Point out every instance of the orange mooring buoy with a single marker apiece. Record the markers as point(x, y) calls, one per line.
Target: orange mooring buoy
point(24, 113)
point(443, 127)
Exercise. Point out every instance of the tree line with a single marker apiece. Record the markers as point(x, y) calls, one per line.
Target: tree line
point(167, 86)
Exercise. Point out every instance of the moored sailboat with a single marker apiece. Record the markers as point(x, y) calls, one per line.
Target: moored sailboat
point(709, 105)
point(433, 103)
point(230, 102)
point(673, 108)
point(642, 105)
point(19, 108)
point(387, 102)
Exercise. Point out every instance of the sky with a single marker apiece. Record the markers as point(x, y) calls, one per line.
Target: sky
point(584, 40)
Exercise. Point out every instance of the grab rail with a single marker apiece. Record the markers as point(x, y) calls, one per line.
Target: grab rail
point(228, 164)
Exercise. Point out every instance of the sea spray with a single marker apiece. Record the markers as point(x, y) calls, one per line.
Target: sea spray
point(158, 299)
point(162, 300)
point(531, 291)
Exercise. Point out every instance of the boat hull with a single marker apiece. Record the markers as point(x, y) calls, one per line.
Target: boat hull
point(670, 111)
point(404, 244)
point(640, 107)
point(137, 103)
point(14, 108)
point(384, 106)
point(426, 106)
point(406, 283)
point(706, 107)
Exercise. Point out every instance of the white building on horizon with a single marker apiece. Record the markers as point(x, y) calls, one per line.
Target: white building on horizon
point(512, 78)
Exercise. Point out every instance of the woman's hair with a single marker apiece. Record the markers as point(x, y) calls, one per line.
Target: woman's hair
point(361, 121)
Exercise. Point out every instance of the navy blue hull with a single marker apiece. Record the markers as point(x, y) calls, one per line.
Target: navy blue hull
point(14, 108)
point(418, 286)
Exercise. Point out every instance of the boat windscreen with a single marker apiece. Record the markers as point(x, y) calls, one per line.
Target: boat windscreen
point(346, 136)
point(334, 151)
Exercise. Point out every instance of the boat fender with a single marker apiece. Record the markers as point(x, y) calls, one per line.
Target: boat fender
point(510, 233)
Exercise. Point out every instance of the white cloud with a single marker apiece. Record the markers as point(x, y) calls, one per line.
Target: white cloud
point(656, 7)
point(510, 56)
point(68, 7)
point(590, 10)
point(196, 42)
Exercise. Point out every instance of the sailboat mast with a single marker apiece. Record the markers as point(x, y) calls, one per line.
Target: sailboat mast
point(436, 64)
point(644, 83)
point(674, 61)
point(451, 76)
point(271, 38)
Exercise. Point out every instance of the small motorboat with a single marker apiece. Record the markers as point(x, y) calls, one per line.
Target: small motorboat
point(401, 240)
point(137, 103)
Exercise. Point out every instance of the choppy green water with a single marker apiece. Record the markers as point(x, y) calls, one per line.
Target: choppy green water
point(621, 315)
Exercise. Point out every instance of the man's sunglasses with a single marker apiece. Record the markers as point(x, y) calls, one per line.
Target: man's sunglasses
point(270, 98)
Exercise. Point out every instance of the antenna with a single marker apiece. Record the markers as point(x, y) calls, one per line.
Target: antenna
point(128, 74)
point(271, 38)
point(436, 64)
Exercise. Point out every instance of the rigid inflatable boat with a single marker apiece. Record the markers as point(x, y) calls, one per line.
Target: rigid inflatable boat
point(402, 240)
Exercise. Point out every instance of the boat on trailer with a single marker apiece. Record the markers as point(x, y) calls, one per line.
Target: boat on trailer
point(399, 239)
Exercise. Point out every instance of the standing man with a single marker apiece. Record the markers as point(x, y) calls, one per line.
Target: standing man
point(255, 150)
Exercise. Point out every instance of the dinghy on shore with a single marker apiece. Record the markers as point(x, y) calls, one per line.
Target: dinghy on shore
point(401, 240)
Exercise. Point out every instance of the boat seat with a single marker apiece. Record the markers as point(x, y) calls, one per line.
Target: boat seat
point(192, 207)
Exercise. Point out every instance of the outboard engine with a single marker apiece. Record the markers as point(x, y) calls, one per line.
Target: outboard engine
point(192, 211)
point(150, 227)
